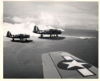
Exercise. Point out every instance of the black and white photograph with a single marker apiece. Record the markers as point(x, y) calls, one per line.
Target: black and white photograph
point(50, 39)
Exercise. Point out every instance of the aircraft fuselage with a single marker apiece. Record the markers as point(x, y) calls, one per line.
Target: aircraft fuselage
point(49, 31)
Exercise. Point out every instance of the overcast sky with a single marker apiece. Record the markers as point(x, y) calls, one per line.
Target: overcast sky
point(22, 16)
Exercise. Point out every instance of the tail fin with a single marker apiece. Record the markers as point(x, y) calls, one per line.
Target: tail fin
point(8, 34)
point(36, 29)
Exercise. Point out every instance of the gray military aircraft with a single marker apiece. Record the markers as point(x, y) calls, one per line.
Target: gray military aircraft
point(49, 31)
point(20, 36)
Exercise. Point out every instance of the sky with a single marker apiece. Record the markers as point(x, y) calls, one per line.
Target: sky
point(22, 16)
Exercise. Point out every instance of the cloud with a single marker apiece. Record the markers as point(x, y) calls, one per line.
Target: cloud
point(20, 17)
point(44, 27)
point(46, 20)
point(17, 19)
point(43, 18)
point(55, 14)
point(22, 28)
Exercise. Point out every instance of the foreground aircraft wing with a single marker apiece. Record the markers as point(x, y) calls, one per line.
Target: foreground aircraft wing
point(65, 65)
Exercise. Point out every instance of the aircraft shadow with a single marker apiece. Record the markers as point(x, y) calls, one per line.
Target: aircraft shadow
point(28, 41)
point(52, 38)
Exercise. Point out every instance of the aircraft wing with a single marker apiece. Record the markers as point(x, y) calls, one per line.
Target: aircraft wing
point(65, 65)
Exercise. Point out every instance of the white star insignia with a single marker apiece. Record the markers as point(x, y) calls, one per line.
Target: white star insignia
point(74, 63)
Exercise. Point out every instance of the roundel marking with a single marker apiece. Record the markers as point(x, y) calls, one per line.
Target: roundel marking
point(73, 64)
